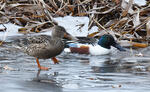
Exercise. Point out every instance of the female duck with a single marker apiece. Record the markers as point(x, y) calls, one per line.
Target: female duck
point(44, 46)
point(103, 47)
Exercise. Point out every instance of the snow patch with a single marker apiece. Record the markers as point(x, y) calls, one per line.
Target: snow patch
point(73, 24)
point(139, 2)
point(12, 30)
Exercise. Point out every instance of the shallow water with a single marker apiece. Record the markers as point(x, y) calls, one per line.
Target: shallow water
point(117, 72)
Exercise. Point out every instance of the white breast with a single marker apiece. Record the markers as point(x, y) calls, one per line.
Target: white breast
point(98, 50)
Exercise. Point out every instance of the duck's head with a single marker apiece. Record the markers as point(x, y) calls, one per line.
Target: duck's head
point(107, 41)
point(61, 32)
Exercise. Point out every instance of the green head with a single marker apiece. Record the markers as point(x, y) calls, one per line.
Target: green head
point(107, 41)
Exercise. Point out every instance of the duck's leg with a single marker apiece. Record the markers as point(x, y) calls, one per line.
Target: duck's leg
point(39, 66)
point(54, 59)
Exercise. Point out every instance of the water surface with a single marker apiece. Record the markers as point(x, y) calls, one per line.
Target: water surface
point(117, 72)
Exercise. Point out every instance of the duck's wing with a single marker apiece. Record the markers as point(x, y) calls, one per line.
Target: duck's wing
point(93, 41)
point(25, 41)
point(88, 40)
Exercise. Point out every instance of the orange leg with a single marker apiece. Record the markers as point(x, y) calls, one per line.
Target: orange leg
point(39, 66)
point(55, 60)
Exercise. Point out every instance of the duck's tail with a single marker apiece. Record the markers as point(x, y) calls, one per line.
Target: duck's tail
point(17, 42)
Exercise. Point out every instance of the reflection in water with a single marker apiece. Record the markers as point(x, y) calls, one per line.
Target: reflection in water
point(76, 73)
point(105, 69)
point(45, 78)
point(103, 65)
point(44, 83)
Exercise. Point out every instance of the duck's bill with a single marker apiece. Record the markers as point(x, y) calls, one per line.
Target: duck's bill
point(70, 37)
point(119, 47)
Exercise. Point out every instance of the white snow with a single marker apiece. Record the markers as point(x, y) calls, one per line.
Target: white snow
point(139, 2)
point(12, 30)
point(93, 29)
point(72, 25)
point(77, 26)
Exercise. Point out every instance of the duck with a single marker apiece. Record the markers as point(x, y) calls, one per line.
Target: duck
point(102, 47)
point(45, 46)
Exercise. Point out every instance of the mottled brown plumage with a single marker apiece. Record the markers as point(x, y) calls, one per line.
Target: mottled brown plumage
point(44, 46)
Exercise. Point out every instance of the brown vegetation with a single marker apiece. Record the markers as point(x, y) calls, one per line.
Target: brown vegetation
point(125, 20)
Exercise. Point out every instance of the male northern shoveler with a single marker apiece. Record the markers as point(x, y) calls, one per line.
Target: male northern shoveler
point(101, 48)
point(44, 46)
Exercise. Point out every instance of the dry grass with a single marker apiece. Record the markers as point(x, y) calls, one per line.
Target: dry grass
point(123, 20)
